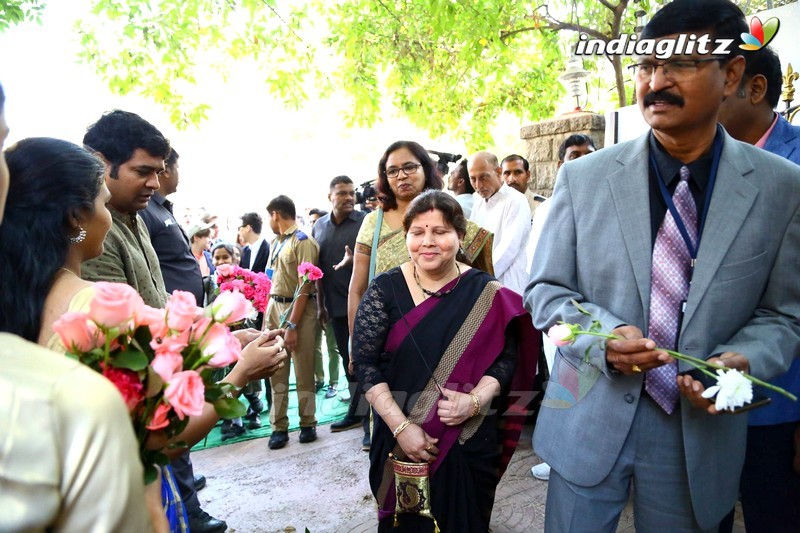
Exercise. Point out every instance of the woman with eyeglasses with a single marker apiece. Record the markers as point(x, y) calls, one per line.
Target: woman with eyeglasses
point(405, 170)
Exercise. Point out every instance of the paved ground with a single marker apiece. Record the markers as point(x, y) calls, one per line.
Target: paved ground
point(323, 486)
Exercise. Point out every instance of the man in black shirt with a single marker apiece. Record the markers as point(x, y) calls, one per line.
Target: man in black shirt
point(336, 234)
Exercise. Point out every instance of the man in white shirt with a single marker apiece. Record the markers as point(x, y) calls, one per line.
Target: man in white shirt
point(517, 174)
point(505, 212)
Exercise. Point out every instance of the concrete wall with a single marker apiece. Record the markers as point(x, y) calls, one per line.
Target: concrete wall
point(543, 139)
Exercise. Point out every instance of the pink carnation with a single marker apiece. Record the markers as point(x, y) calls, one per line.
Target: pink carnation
point(127, 383)
point(114, 305)
point(308, 269)
point(185, 392)
point(160, 418)
point(78, 333)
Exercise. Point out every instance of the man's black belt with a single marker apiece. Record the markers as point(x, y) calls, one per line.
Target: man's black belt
point(287, 299)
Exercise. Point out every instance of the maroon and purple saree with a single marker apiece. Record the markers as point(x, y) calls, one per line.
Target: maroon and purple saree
point(478, 329)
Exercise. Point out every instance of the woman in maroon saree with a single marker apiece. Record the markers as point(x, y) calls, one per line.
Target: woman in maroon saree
point(434, 322)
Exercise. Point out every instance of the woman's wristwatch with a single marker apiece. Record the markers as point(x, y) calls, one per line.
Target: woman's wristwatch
point(290, 325)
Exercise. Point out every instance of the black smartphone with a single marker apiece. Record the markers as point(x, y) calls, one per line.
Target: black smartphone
point(759, 400)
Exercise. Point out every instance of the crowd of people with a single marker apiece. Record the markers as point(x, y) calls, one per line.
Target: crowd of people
point(429, 303)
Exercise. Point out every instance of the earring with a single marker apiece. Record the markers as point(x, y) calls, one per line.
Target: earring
point(80, 237)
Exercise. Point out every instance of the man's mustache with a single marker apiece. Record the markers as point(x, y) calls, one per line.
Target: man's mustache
point(663, 96)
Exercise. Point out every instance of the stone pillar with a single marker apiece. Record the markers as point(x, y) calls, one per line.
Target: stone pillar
point(544, 138)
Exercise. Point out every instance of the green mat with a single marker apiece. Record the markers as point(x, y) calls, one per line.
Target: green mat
point(328, 410)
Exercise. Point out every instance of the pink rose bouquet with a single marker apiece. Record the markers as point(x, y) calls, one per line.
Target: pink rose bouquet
point(162, 361)
point(307, 273)
point(255, 286)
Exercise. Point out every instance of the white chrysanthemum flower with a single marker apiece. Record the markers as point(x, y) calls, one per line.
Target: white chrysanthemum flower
point(732, 390)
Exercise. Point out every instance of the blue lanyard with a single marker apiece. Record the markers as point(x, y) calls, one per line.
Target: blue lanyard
point(278, 251)
point(712, 178)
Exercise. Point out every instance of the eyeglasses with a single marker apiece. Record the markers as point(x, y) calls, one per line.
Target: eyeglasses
point(408, 169)
point(677, 70)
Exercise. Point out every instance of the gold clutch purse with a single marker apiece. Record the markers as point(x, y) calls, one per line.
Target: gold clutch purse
point(412, 489)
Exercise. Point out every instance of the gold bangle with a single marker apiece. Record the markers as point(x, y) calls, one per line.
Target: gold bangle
point(476, 404)
point(399, 429)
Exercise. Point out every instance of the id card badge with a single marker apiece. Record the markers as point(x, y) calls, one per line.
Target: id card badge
point(269, 272)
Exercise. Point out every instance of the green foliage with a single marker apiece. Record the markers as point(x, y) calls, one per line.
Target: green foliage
point(13, 12)
point(449, 66)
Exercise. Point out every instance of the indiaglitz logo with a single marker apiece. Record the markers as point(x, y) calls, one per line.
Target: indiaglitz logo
point(760, 34)
point(683, 45)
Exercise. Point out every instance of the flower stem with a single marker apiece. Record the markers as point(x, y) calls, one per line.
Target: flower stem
point(700, 364)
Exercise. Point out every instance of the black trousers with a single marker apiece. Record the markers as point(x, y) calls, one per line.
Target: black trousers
point(184, 478)
point(359, 407)
point(770, 488)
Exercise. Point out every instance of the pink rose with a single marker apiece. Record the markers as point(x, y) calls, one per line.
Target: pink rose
point(225, 271)
point(185, 392)
point(231, 307)
point(160, 418)
point(166, 364)
point(78, 333)
point(156, 321)
point(308, 269)
point(561, 335)
point(222, 345)
point(181, 310)
point(127, 383)
point(114, 305)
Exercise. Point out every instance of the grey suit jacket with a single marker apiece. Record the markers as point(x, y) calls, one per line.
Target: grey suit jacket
point(745, 297)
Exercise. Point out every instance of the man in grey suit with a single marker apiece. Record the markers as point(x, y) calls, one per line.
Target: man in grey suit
point(625, 421)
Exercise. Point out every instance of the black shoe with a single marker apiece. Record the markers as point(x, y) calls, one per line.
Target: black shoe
point(331, 392)
point(348, 422)
point(318, 385)
point(308, 434)
point(278, 440)
point(202, 522)
point(253, 420)
point(226, 430)
point(366, 443)
point(234, 431)
point(256, 405)
point(199, 482)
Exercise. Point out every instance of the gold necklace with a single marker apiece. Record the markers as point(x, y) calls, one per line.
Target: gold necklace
point(65, 269)
point(439, 293)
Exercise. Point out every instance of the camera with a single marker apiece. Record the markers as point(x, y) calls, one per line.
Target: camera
point(366, 192)
point(444, 159)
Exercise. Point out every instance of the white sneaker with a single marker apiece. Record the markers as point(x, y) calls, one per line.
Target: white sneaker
point(541, 471)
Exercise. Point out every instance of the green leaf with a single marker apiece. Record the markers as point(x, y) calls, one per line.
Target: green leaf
point(229, 408)
point(131, 359)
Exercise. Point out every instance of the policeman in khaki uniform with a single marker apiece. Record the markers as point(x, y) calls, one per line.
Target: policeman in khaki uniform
point(290, 248)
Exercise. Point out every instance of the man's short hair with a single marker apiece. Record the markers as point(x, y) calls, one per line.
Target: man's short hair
point(722, 18)
point(576, 139)
point(253, 220)
point(767, 63)
point(283, 205)
point(172, 158)
point(319, 212)
point(516, 157)
point(120, 133)
point(340, 179)
point(462, 173)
